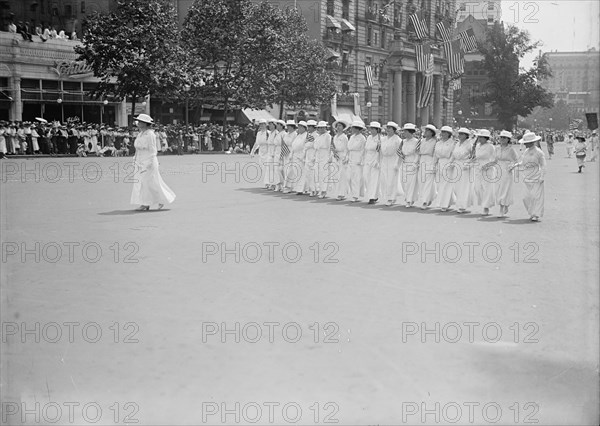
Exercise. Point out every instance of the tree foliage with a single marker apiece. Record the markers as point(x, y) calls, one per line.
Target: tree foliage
point(134, 51)
point(513, 91)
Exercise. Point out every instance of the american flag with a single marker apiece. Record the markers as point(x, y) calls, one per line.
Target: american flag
point(426, 89)
point(419, 25)
point(457, 84)
point(575, 123)
point(444, 31)
point(454, 57)
point(468, 41)
point(285, 150)
point(422, 52)
point(369, 75)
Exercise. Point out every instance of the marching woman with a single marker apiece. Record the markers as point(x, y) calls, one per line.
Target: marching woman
point(533, 162)
point(356, 155)
point(261, 145)
point(323, 159)
point(445, 170)
point(310, 154)
point(427, 167)
point(371, 163)
point(485, 157)
point(286, 151)
point(148, 186)
point(462, 171)
point(409, 170)
point(278, 155)
point(296, 169)
point(506, 157)
point(388, 179)
point(580, 152)
point(271, 160)
point(339, 152)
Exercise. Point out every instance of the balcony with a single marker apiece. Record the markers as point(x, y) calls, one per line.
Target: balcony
point(345, 38)
point(345, 100)
point(343, 69)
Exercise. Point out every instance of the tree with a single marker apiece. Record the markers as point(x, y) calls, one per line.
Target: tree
point(134, 51)
point(513, 91)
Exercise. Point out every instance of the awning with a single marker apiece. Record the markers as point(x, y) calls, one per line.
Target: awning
point(346, 114)
point(333, 23)
point(257, 114)
point(347, 26)
point(332, 53)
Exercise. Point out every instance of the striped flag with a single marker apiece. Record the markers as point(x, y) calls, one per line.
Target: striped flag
point(285, 150)
point(574, 125)
point(334, 151)
point(443, 30)
point(419, 25)
point(369, 75)
point(457, 84)
point(454, 57)
point(422, 52)
point(426, 90)
point(468, 41)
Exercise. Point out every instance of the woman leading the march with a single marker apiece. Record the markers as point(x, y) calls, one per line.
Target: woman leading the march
point(371, 166)
point(580, 152)
point(485, 172)
point(533, 165)
point(427, 163)
point(461, 173)
point(261, 145)
point(356, 154)
point(506, 157)
point(323, 160)
point(148, 186)
point(339, 152)
point(409, 169)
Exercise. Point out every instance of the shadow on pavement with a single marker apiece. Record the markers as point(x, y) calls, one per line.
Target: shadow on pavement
point(127, 212)
point(520, 222)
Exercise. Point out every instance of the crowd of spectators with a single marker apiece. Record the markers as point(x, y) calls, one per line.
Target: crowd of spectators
point(32, 31)
point(83, 139)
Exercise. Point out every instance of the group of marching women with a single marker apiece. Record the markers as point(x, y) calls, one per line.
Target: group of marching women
point(437, 170)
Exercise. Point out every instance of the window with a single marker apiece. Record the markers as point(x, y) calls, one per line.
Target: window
point(345, 87)
point(463, 7)
point(346, 9)
point(367, 95)
point(490, 19)
point(68, 10)
point(490, 6)
point(383, 38)
point(380, 100)
point(82, 7)
point(330, 7)
point(30, 84)
point(369, 35)
point(376, 38)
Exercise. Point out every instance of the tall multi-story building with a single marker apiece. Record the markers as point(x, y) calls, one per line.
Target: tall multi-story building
point(575, 79)
point(489, 11)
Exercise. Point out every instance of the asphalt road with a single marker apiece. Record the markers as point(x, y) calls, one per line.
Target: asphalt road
point(236, 305)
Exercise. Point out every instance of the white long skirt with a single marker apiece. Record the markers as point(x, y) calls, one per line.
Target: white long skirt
point(504, 187)
point(371, 178)
point(340, 179)
point(409, 173)
point(288, 172)
point(485, 187)
point(355, 187)
point(309, 172)
point(3, 146)
point(34, 143)
point(427, 190)
point(534, 198)
point(298, 178)
point(388, 178)
point(463, 186)
point(267, 168)
point(148, 186)
point(324, 175)
point(446, 175)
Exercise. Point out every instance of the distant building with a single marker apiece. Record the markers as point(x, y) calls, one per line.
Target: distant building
point(575, 79)
point(487, 11)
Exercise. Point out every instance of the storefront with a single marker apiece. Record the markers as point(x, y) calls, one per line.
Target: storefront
point(43, 79)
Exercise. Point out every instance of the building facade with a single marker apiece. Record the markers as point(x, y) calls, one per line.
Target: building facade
point(575, 79)
point(488, 11)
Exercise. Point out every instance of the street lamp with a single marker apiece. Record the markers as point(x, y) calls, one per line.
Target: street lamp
point(186, 89)
point(62, 111)
point(550, 119)
point(369, 105)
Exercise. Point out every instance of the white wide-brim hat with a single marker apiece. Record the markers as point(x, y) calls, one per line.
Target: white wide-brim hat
point(145, 118)
point(392, 124)
point(280, 122)
point(409, 126)
point(291, 123)
point(322, 124)
point(262, 121)
point(432, 128)
point(446, 129)
point(358, 124)
point(342, 122)
point(483, 133)
point(464, 130)
point(311, 123)
point(375, 125)
point(506, 134)
point(303, 124)
point(530, 137)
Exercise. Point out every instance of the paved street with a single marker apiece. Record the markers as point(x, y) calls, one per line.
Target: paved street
point(294, 308)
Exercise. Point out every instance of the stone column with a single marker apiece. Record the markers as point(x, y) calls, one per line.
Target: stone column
point(16, 107)
point(437, 100)
point(411, 97)
point(397, 98)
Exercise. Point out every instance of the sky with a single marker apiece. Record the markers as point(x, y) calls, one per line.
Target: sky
point(563, 25)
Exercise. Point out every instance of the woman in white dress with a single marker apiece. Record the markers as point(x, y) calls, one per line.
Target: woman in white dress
point(289, 174)
point(3, 149)
point(409, 170)
point(388, 179)
point(462, 171)
point(323, 167)
point(580, 149)
point(356, 156)
point(339, 153)
point(148, 186)
point(506, 157)
point(310, 153)
point(485, 171)
point(296, 168)
point(533, 163)
point(445, 171)
point(278, 155)
point(427, 166)
point(270, 164)
point(261, 145)
point(372, 162)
